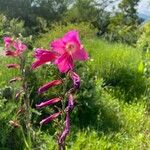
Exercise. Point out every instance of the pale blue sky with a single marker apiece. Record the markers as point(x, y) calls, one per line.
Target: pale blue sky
point(144, 7)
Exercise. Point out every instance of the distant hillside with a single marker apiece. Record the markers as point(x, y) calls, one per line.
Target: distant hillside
point(144, 16)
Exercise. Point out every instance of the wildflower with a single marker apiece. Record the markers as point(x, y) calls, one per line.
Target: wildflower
point(46, 86)
point(49, 102)
point(8, 41)
point(13, 66)
point(43, 56)
point(69, 49)
point(17, 45)
point(75, 78)
point(48, 119)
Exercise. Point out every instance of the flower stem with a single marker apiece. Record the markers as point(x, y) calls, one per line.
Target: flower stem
point(26, 101)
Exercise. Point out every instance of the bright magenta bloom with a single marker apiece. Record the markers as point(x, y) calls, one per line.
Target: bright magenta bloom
point(49, 102)
point(43, 56)
point(46, 86)
point(17, 45)
point(48, 119)
point(8, 41)
point(69, 49)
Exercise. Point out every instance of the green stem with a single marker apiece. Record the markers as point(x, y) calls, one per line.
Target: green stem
point(26, 102)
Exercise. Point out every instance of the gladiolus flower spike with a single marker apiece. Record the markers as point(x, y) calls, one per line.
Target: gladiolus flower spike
point(14, 48)
point(64, 52)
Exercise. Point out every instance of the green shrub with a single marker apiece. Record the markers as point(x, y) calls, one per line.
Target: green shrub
point(119, 66)
point(12, 27)
point(144, 39)
point(58, 30)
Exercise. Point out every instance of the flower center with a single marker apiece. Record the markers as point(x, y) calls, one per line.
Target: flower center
point(70, 47)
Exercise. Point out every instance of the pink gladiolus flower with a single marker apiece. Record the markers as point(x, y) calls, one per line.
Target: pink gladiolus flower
point(48, 119)
point(8, 41)
point(43, 56)
point(75, 78)
point(49, 102)
point(49, 85)
point(13, 66)
point(69, 49)
point(19, 46)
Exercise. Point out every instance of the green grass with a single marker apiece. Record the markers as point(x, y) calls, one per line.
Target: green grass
point(113, 109)
point(5, 73)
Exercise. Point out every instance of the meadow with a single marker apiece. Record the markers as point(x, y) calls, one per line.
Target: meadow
point(112, 108)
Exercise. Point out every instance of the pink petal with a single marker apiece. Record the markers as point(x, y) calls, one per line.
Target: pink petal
point(58, 46)
point(48, 119)
point(43, 56)
point(72, 36)
point(49, 102)
point(80, 54)
point(49, 85)
point(19, 46)
point(7, 41)
point(64, 63)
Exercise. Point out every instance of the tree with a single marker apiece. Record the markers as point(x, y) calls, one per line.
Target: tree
point(91, 11)
point(129, 10)
point(29, 10)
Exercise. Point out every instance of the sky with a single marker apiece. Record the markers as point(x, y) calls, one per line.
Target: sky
point(144, 7)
